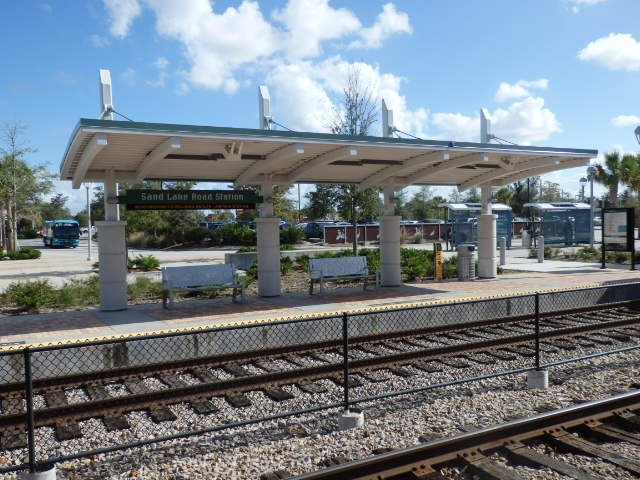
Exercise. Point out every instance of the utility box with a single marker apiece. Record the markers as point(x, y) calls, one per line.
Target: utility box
point(466, 261)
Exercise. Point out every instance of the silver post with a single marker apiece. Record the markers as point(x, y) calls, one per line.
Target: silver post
point(593, 212)
point(503, 251)
point(540, 249)
point(88, 225)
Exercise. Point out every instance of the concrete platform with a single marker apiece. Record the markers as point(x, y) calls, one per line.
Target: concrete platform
point(91, 324)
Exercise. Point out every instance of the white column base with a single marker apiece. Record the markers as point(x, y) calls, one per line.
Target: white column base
point(538, 379)
point(268, 233)
point(487, 259)
point(47, 475)
point(112, 256)
point(390, 251)
point(348, 419)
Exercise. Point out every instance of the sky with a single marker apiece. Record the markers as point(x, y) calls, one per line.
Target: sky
point(561, 73)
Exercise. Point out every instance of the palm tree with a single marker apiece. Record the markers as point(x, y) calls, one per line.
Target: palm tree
point(609, 175)
point(630, 171)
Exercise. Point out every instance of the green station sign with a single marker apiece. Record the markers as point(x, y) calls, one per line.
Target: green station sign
point(188, 199)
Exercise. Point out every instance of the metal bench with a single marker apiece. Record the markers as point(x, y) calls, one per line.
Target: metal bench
point(340, 268)
point(199, 278)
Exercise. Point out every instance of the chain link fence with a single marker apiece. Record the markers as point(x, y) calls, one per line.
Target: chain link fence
point(200, 379)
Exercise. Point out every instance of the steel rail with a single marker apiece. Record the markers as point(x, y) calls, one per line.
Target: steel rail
point(423, 458)
point(205, 390)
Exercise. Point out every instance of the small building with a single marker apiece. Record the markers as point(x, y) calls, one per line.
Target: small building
point(463, 218)
point(563, 223)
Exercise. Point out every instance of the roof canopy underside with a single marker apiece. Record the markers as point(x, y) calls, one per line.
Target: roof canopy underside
point(134, 151)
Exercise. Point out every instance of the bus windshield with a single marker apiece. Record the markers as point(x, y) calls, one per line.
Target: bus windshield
point(66, 230)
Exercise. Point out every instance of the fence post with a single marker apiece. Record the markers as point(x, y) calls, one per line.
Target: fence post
point(28, 380)
point(347, 418)
point(345, 359)
point(537, 326)
point(538, 377)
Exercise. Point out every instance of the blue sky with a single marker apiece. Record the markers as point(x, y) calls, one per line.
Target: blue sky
point(551, 72)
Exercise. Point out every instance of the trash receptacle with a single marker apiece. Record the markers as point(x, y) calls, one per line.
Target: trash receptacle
point(466, 261)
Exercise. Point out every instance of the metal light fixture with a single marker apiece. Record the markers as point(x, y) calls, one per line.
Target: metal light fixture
point(583, 183)
point(637, 132)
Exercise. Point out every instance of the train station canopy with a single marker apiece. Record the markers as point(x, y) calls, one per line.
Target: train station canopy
point(131, 152)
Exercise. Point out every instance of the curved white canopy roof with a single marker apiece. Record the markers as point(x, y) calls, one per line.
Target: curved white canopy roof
point(135, 151)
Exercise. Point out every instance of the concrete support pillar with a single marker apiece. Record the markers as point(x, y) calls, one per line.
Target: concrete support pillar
point(348, 420)
point(390, 250)
point(112, 256)
point(112, 253)
point(268, 237)
point(538, 379)
point(487, 259)
point(268, 233)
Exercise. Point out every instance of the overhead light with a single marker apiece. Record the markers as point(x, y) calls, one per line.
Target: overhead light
point(637, 132)
point(445, 155)
point(300, 148)
point(485, 157)
point(353, 151)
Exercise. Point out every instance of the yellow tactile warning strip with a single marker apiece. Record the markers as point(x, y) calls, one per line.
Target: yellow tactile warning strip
point(305, 316)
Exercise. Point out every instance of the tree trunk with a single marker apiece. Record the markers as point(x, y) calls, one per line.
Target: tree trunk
point(12, 235)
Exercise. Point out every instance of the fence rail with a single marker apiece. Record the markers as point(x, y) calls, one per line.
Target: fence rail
point(31, 368)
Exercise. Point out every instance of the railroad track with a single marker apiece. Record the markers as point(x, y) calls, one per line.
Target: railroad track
point(496, 452)
point(372, 358)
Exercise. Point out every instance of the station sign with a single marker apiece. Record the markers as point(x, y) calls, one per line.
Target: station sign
point(189, 199)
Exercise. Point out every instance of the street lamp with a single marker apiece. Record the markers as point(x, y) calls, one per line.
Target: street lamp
point(637, 132)
point(591, 174)
point(583, 183)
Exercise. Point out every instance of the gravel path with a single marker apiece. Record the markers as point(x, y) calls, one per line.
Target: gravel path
point(308, 442)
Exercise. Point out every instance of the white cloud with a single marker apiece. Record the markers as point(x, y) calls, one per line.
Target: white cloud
point(216, 45)
point(306, 94)
point(310, 22)
point(122, 13)
point(625, 121)
point(524, 122)
point(161, 64)
point(617, 51)
point(129, 77)
point(99, 41)
point(221, 46)
point(388, 23)
point(520, 89)
point(576, 5)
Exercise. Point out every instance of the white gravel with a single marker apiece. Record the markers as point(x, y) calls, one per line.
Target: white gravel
point(303, 443)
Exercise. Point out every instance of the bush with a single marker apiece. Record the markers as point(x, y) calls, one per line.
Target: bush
point(144, 262)
point(25, 253)
point(292, 235)
point(286, 265)
point(233, 234)
point(549, 252)
point(79, 292)
point(589, 254)
point(31, 295)
point(196, 234)
point(144, 288)
point(28, 233)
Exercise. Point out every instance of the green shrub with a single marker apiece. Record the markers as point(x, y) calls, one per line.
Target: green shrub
point(31, 296)
point(589, 254)
point(144, 288)
point(303, 261)
point(144, 262)
point(618, 257)
point(549, 252)
point(233, 234)
point(28, 233)
point(450, 267)
point(196, 234)
point(292, 235)
point(25, 253)
point(286, 265)
point(79, 292)
point(417, 238)
point(247, 250)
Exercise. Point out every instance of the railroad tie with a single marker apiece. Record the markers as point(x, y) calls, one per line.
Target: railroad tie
point(275, 475)
point(199, 406)
point(311, 387)
point(454, 362)
point(565, 440)
point(111, 422)
point(427, 366)
point(157, 414)
point(519, 453)
point(235, 399)
point(608, 433)
point(617, 335)
point(626, 417)
point(11, 441)
point(486, 468)
point(375, 375)
point(276, 394)
point(501, 354)
point(70, 430)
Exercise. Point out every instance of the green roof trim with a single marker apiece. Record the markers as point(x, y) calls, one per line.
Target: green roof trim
point(175, 129)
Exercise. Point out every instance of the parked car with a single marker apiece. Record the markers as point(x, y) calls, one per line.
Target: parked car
point(315, 229)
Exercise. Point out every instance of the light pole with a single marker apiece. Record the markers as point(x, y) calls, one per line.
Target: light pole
point(591, 173)
point(637, 132)
point(583, 183)
point(88, 186)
